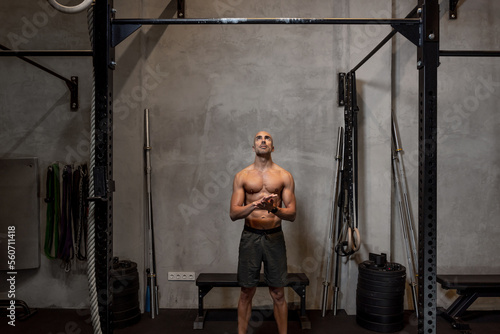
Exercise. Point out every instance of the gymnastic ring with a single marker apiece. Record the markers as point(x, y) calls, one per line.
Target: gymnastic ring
point(353, 241)
point(71, 9)
point(358, 240)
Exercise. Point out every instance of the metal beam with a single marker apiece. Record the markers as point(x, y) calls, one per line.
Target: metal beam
point(375, 50)
point(46, 53)
point(403, 30)
point(122, 28)
point(468, 53)
point(352, 21)
point(103, 59)
point(428, 61)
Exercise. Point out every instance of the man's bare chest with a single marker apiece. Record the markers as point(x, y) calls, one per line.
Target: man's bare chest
point(263, 183)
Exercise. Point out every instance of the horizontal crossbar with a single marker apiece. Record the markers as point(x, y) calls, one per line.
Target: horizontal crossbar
point(468, 53)
point(45, 53)
point(408, 21)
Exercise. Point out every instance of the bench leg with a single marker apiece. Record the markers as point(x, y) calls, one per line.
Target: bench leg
point(461, 304)
point(453, 313)
point(305, 323)
point(455, 322)
point(199, 321)
point(200, 318)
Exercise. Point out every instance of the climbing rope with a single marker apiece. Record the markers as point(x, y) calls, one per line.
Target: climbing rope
point(94, 305)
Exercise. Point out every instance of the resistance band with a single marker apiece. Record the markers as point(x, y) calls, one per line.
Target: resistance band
point(80, 209)
point(52, 199)
point(65, 252)
point(66, 230)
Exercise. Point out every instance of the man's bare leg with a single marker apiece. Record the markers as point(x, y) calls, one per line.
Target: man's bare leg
point(280, 308)
point(245, 308)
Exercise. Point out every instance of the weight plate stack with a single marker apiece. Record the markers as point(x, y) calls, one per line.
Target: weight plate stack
point(124, 280)
point(380, 295)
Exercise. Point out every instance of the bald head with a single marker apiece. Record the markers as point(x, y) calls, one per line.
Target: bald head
point(263, 142)
point(263, 134)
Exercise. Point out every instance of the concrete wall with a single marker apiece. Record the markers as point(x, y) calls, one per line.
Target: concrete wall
point(211, 88)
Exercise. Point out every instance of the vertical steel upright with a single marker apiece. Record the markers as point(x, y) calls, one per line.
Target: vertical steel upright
point(103, 60)
point(428, 62)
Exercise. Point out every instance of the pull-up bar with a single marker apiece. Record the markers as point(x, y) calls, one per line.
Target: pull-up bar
point(122, 28)
point(45, 53)
point(408, 21)
point(468, 53)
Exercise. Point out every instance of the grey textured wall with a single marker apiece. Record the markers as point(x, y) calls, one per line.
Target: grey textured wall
point(210, 88)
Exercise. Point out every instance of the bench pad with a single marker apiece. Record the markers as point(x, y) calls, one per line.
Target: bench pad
point(230, 280)
point(463, 282)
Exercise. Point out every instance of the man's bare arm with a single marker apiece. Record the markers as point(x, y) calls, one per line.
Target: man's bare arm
point(238, 209)
point(288, 197)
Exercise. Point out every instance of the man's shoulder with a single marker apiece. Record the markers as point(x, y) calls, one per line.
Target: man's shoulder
point(286, 177)
point(248, 168)
point(245, 171)
point(281, 170)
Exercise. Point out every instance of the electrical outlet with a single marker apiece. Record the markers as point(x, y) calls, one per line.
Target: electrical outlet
point(181, 276)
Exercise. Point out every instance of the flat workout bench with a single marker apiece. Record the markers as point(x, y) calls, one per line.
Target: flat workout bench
point(469, 287)
point(205, 283)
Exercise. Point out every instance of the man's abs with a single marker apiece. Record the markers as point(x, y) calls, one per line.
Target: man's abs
point(262, 220)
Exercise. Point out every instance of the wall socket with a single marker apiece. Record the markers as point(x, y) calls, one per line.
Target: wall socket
point(181, 276)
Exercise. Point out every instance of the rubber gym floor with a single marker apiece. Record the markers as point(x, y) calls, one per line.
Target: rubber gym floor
point(72, 321)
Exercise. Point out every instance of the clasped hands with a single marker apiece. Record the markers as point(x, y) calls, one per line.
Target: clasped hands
point(266, 202)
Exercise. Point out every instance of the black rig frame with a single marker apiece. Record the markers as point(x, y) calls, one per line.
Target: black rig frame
point(423, 31)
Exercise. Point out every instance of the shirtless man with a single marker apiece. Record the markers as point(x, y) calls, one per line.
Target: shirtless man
point(263, 194)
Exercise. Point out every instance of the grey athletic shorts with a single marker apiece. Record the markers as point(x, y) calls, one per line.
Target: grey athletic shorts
point(262, 246)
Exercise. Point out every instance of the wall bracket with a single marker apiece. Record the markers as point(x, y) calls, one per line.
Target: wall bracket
point(73, 89)
point(453, 9)
point(412, 33)
point(341, 90)
point(71, 83)
point(181, 9)
point(119, 32)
